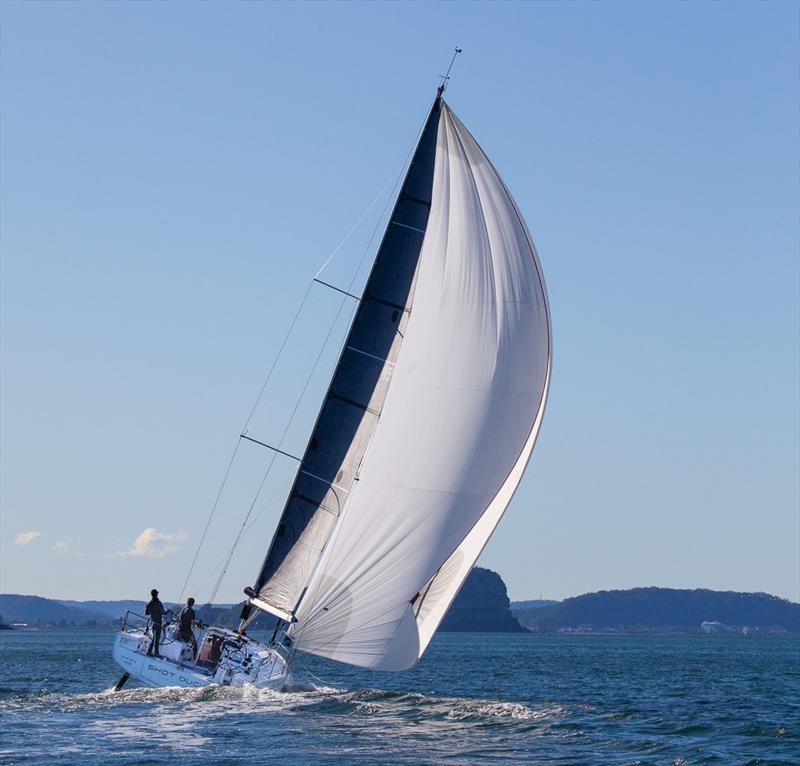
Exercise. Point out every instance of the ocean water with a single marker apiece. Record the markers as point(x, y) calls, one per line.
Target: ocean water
point(473, 699)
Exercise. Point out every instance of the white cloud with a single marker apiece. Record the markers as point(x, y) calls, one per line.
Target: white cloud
point(67, 546)
point(152, 544)
point(23, 538)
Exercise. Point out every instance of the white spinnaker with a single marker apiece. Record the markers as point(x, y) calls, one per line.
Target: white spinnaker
point(456, 430)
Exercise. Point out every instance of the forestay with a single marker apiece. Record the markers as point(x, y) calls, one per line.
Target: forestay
point(457, 426)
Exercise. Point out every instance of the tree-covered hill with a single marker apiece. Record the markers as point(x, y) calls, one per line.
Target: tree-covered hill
point(35, 610)
point(664, 609)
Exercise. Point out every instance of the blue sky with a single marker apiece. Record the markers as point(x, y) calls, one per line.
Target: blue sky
point(174, 174)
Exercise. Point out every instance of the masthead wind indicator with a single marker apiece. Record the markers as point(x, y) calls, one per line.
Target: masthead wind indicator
point(446, 76)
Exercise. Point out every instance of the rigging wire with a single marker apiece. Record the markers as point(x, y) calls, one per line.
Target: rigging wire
point(358, 223)
point(274, 454)
point(239, 441)
point(215, 570)
point(208, 521)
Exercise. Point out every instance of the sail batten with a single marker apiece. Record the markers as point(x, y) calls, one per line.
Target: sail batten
point(456, 430)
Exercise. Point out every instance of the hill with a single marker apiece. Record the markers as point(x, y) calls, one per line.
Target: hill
point(481, 606)
point(35, 610)
point(116, 609)
point(113, 610)
point(665, 610)
point(47, 612)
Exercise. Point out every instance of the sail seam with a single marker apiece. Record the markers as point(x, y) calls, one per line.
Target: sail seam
point(325, 481)
point(354, 403)
point(415, 200)
point(386, 303)
point(406, 226)
point(313, 502)
point(371, 356)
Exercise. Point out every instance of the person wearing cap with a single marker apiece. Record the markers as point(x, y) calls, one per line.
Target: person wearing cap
point(155, 610)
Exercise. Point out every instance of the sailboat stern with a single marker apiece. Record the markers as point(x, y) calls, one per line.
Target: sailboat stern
point(224, 658)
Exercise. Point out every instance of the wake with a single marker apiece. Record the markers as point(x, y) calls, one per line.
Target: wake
point(302, 696)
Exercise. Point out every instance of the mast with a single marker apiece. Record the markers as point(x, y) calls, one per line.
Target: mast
point(353, 403)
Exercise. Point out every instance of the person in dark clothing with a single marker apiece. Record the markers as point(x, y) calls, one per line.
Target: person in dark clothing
point(187, 618)
point(155, 610)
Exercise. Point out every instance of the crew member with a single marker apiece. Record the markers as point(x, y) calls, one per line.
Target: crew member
point(186, 620)
point(155, 610)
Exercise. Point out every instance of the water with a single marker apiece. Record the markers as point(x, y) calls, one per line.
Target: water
point(474, 699)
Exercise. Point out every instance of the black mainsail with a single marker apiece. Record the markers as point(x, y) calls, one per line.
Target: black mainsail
point(350, 411)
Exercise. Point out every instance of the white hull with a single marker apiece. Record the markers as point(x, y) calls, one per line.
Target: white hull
point(264, 666)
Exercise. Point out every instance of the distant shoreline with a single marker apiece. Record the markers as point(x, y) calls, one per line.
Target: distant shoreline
point(482, 606)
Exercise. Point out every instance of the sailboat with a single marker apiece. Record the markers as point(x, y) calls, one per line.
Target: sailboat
point(421, 440)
